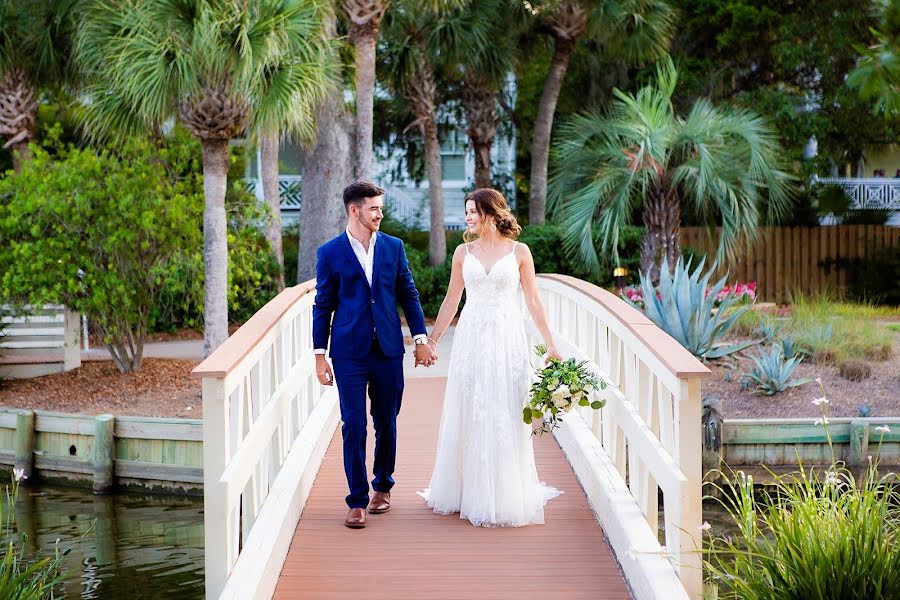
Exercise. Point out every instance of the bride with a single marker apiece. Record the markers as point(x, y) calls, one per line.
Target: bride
point(484, 468)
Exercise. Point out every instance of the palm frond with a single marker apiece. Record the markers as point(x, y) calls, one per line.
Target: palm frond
point(725, 162)
point(144, 58)
point(636, 31)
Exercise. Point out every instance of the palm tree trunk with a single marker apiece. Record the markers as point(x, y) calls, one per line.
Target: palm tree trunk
point(215, 244)
point(437, 242)
point(18, 113)
point(543, 126)
point(364, 42)
point(482, 164)
point(662, 219)
point(327, 168)
point(421, 91)
point(479, 100)
point(268, 146)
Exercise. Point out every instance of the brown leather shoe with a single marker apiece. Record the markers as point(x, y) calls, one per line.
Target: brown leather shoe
point(381, 503)
point(356, 518)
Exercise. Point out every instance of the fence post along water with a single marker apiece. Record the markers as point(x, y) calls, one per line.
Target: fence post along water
point(645, 440)
point(266, 425)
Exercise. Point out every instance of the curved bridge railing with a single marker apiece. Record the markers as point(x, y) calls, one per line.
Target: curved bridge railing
point(645, 440)
point(267, 424)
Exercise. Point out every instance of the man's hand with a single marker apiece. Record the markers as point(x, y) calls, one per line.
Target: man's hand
point(425, 355)
point(323, 370)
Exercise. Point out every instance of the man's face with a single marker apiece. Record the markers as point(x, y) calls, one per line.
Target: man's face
point(370, 214)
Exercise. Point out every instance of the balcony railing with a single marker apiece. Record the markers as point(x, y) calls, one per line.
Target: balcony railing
point(875, 193)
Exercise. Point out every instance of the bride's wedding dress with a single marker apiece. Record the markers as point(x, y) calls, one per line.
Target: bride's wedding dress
point(484, 468)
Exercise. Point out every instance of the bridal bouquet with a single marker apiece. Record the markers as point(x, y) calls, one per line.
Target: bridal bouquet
point(561, 386)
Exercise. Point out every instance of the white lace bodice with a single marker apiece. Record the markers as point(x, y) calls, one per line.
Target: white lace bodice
point(497, 288)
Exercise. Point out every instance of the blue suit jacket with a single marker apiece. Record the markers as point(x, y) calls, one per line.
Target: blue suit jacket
point(359, 312)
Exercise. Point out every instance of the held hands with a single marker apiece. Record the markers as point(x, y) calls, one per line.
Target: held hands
point(425, 354)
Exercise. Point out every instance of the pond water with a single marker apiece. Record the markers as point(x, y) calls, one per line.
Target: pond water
point(139, 547)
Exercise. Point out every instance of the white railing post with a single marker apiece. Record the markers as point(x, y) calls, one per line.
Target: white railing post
point(689, 557)
point(217, 558)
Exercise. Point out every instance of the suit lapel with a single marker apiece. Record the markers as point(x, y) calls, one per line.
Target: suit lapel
point(350, 256)
point(378, 258)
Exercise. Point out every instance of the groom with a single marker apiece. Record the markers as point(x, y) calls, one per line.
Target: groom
point(361, 278)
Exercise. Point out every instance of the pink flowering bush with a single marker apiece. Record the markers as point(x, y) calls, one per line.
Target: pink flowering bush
point(744, 293)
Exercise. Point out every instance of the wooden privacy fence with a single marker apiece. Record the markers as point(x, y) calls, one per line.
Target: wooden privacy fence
point(796, 259)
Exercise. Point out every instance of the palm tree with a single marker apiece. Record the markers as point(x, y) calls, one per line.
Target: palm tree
point(421, 41)
point(724, 162)
point(35, 54)
point(365, 17)
point(268, 151)
point(327, 167)
point(633, 31)
point(877, 77)
point(224, 69)
point(365, 24)
point(486, 61)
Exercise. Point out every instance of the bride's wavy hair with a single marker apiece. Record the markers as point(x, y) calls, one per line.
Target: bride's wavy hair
point(491, 203)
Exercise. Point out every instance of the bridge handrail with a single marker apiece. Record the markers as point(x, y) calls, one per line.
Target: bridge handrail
point(266, 426)
point(646, 439)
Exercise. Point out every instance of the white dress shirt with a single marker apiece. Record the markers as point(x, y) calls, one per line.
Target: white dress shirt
point(366, 260)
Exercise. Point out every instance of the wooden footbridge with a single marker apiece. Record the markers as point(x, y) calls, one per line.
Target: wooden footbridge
point(274, 482)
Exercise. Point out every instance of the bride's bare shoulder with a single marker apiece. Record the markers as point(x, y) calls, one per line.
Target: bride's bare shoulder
point(461, 251)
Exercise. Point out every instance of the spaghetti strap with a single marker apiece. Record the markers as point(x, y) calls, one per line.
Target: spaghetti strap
point(466, 245)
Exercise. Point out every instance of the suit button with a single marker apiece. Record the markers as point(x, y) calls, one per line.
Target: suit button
point(373, 300)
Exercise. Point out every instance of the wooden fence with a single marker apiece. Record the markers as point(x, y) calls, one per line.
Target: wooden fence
point(796, 259)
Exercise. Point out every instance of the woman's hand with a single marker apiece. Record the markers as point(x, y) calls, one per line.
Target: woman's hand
point(552, 352)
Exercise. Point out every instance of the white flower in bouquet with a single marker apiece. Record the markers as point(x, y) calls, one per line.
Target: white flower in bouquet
point(549, 397)
point(561, 391)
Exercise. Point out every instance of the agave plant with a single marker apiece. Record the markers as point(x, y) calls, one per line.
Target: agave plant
point(790, 348)
point(772, 373)
point(818, 337)
point(686, 311)
point(768, 330)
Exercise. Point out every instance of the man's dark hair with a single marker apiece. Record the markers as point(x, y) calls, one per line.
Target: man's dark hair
point(358, 192)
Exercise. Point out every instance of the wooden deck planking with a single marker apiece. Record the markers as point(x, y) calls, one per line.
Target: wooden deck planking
point(412, 553)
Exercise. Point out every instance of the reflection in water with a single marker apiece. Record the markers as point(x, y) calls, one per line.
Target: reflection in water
point(141, 547)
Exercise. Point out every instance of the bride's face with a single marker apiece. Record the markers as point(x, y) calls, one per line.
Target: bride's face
point(474, 222)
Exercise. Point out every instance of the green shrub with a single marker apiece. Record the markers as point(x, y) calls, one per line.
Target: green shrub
point(100, 231)
point(291, 248)
point(252, 270)
point(431, 281)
